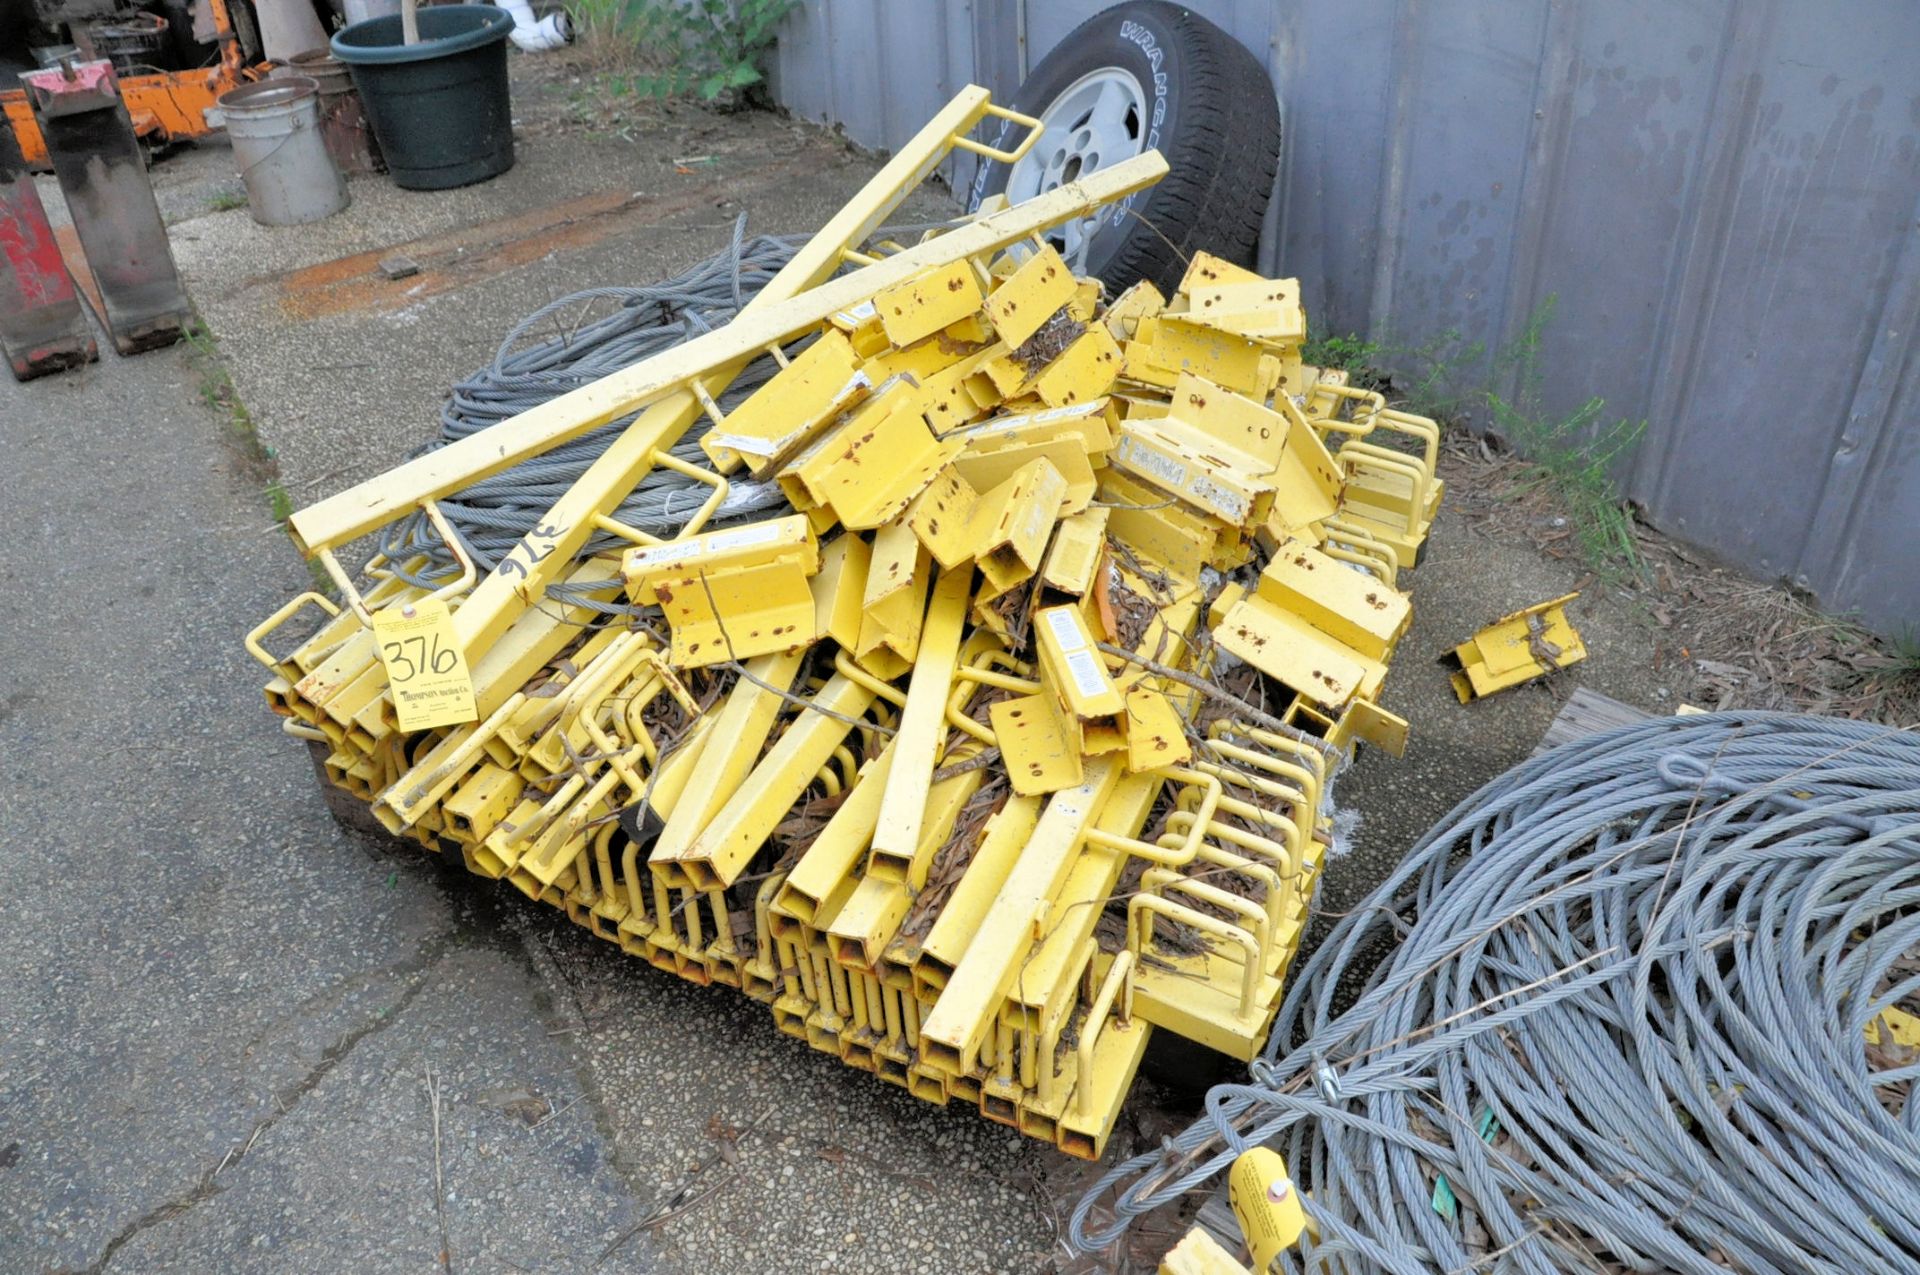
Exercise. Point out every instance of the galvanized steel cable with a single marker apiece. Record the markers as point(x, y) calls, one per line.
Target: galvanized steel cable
point(495, 514)
point(1622, 1011)
point(529, 368)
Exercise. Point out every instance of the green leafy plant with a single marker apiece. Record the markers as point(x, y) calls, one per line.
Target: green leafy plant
point(1425, 377)
point(1358, 357)
point(712, 50)
point(1572, 453)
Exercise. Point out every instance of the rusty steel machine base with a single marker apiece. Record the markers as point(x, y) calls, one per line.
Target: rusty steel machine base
point(42, 327)
point(102, 172)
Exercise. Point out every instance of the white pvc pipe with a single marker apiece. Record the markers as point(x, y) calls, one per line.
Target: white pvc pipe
point(537, 35)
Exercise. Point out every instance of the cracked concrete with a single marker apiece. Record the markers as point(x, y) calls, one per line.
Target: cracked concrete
point(220, 1005)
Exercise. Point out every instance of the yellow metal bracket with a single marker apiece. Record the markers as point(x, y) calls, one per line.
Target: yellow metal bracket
point(1517, 648)
point(732, 594)
point(256, 638)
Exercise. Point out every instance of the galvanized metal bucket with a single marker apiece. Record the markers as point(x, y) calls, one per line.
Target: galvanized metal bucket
point(275, 129)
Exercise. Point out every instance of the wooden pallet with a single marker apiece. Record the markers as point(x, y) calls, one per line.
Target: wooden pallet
point(1587, 713)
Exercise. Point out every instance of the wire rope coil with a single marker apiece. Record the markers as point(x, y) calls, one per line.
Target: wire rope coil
point(1621, 1023)
point(528, 369)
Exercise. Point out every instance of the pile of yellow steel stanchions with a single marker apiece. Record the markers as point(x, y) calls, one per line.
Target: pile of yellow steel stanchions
point(1009, 744)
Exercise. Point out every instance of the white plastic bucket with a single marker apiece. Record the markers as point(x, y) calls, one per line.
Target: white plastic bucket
point(274, 126)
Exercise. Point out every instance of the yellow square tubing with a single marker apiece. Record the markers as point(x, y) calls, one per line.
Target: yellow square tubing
point(818, 885)
point(505, 594)
point(859, 935)
point(1057, 959)
point(740, 730)
point(916, 745)
point(366, 508)
point(951, 1036)
point(726, 845)
point(1005, 835)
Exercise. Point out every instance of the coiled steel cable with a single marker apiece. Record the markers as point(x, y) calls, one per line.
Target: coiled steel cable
point(493, 515)
point(1622, 1011)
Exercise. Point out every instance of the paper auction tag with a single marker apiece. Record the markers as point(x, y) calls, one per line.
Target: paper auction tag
point(426, 669)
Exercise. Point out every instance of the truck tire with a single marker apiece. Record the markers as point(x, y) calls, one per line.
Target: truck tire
point(1141, 75)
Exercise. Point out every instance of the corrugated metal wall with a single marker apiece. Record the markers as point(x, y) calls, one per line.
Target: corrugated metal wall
point(1723, 196)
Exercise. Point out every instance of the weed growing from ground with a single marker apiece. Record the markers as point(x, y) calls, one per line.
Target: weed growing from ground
point(1573, 454)
point(711, 50)
point(217, 391)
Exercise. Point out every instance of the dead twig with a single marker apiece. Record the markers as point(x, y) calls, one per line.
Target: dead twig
point(439, 1181)
point(1254, 716)
point(683, 1200)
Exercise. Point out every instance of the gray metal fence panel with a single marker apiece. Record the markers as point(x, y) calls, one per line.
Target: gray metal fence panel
point(1721, 196)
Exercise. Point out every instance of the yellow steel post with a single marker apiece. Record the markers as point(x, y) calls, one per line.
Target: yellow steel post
point(916, 744)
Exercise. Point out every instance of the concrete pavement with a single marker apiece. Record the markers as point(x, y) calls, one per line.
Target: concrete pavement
point(220, 1008)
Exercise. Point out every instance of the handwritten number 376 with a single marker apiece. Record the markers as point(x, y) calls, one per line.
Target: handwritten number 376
point(422, 658)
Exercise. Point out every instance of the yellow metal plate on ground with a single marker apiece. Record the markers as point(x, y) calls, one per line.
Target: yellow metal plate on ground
point(1012, 522)
point(1896, 1026)
point(928, 302)
point(1517, 648)
point(1352, 607)
point(781, 415)
point(1230, 494)
point(1386, 731)
point(732, 594)
point(1292, 652)
point(1084, 371)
